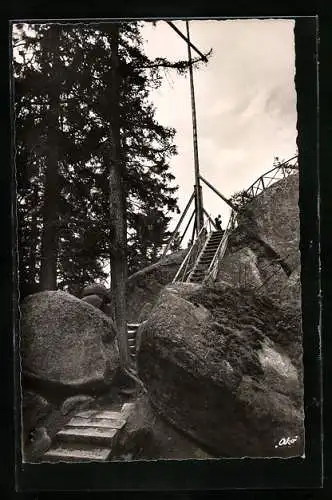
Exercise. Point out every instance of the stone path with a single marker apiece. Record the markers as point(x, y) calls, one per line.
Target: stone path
point(89, 436)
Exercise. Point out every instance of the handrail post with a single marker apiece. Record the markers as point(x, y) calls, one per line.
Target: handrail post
point(178, 225)
point(187, 226)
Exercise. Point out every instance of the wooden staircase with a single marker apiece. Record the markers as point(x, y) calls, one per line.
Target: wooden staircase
point(89, 436)
point(205, 257)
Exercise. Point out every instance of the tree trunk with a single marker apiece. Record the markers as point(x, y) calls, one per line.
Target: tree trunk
point(118, 219)
point(50, 236)
point(34, 235)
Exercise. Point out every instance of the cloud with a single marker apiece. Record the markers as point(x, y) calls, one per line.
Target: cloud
point(245, 101)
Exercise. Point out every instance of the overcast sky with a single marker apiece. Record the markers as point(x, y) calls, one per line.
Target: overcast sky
point(245, 102)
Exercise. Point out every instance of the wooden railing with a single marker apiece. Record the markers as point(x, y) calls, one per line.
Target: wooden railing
point(191, 257)
point(264, 181)
point(220, 252)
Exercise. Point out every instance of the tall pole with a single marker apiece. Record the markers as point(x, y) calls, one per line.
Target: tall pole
point(198, 189)
point(117, 205)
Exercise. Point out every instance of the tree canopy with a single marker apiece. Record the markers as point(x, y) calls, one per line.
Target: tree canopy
point(63, 115)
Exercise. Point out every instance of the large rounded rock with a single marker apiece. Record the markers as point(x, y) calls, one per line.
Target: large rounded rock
point(94, 300)
point(66, 341)
point(97, 289)
point(146, 436)
point(276, 217)
point(220, 378)
point(263, 252)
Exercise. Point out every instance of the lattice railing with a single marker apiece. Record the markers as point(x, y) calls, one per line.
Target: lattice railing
point(277, 173)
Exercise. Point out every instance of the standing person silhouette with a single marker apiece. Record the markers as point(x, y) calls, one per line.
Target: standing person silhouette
point(217, 222)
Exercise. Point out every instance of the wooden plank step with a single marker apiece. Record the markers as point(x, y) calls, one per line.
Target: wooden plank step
point(77, 453)
point(98, 435)
point(108, 423)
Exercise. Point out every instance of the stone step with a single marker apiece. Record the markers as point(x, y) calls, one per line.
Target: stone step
point(107, 422)
point(91, 435)
point(114, 415)
point(99, 414)
point(87, 413)
point(133, 325)
point(72, 453)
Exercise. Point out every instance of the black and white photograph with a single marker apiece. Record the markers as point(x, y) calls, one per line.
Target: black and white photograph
point(158, 240)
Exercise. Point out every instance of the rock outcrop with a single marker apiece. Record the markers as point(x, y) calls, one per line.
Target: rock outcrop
point(220, 365)
point(277, 218)
point(263, 252)
point(67, 342)
point(144, 287)
point(35, 410)
point(147, 437)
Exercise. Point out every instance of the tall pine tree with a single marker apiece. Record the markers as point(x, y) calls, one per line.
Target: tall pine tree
point(63, 94)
